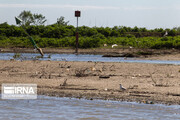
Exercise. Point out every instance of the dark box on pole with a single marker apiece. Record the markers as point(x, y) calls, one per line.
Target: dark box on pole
point(77, 13)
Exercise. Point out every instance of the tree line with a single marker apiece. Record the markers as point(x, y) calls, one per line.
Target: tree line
point(60, 31)
point(61, 34)
point(34, 24)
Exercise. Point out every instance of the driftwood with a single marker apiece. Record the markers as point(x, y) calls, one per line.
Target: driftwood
point(104, 76)
point(64, 83)
point(121, 55)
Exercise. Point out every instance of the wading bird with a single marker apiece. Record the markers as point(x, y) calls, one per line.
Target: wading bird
point(121, 87)
point(114, 45)
point(166, 33)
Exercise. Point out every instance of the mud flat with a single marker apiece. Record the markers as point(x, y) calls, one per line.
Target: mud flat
point(147, 83)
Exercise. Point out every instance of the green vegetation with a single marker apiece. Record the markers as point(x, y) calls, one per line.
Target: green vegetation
point(93, 42)
point(61, 34)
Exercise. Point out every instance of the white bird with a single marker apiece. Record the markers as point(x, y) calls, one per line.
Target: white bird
point(166, 33)
point(121, 87)
point(114, 45)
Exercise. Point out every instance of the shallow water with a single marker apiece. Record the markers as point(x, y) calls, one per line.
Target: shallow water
point(81, 57)
point(54, 108)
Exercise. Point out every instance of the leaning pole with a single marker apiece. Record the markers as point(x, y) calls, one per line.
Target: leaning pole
point(18, 22)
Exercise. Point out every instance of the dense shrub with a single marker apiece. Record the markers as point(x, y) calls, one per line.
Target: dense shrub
point(64, 36)
point(94, 41)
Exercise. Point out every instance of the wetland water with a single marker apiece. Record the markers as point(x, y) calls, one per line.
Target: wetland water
point(55, 108)
point(80, 57)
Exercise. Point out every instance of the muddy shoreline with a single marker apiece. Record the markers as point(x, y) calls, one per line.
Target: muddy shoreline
point(101, 51)
point(144, 83)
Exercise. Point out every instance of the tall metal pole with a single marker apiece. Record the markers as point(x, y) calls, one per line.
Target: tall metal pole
point(77, 14)
point(77, 37)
